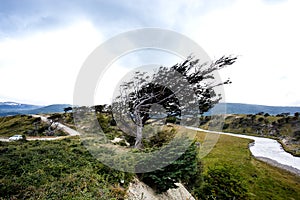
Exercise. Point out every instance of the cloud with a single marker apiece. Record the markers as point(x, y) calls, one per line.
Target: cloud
point(25, 17)
point(40, 40)
point(267, 39)
point(42, 68)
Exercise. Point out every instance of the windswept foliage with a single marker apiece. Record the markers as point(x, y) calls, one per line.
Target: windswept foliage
point(187, 88)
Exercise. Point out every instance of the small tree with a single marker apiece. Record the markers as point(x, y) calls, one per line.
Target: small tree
point(137, 96)
point(99, 108)
point(67, 109)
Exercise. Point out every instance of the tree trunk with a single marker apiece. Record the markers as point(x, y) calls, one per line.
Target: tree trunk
point(139, 130)
point(139, 136)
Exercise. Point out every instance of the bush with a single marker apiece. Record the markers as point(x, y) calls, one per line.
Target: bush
point(225, 126)
point(222, 182)
point(23, 137)
point(104, 122)
point(182, 170)
point(171, 120)
point(261, 119)
point(161, 138)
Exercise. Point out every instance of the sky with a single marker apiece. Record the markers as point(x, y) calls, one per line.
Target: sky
point(44, 43)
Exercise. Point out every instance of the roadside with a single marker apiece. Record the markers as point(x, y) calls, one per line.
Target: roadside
point(277, 164)
point(62, 127)
point(267, 150)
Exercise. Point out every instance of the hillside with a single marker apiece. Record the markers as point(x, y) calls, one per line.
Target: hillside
point(284, 128)
point(13, 108)
point(61, 169)
point(65, 169)
point(54, 108)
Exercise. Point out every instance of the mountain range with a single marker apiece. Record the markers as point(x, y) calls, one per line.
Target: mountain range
point(13, 108)
point(240, 108)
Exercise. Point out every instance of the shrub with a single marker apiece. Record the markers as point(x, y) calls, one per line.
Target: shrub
point(222, 182)
point(261, 119)
point(161, 138)
point(171, 119)
point(182, 170)
point(225, 126)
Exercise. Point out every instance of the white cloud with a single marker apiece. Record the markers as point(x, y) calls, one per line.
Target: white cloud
point(267, 39)
point(122, 70)
point(42, 68)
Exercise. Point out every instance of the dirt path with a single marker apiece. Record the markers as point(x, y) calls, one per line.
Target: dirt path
point(64, 128)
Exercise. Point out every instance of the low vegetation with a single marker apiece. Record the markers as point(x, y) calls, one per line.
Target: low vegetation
point(61, 169)
point(26, 125)
point(283, 127)
point(65, 169)
point(230, 164)
point(183, 170)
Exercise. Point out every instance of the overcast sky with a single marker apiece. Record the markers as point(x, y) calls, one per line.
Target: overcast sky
point(43, 44)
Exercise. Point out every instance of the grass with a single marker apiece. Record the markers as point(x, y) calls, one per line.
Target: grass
point(61, 169)
point(64, 169)
point(275, 127)
point(24, 125)
point(261, 180)
point(13, 125)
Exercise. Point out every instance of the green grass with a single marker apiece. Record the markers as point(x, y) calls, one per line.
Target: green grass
point(261, 180)
point(61, 169)
point(13, 125)
point(64, 169)
point(275, 127)
point(24, 125)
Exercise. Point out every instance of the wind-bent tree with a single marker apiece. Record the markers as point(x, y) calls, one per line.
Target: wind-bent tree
point(177, 89)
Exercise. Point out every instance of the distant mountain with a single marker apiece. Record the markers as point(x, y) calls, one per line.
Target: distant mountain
point(8, 106)
point(239, 108)
point(54, 108)
point(13, 108)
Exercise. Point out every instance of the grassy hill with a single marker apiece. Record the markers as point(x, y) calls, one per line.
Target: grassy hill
point(25, 125)
point(65, 169)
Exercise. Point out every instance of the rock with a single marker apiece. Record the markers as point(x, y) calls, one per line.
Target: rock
point(118, 140)
point(140, 191)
